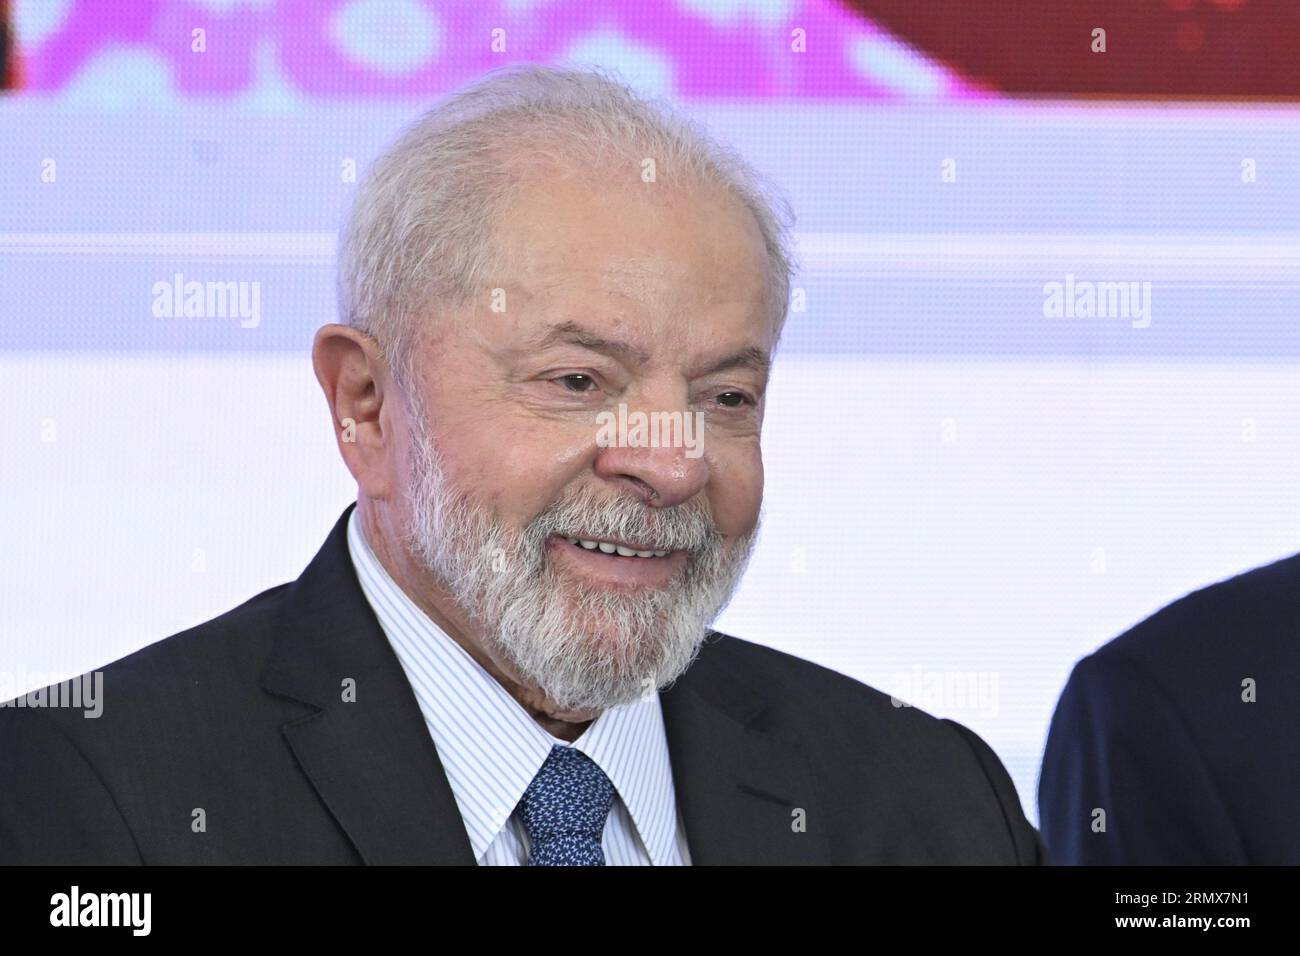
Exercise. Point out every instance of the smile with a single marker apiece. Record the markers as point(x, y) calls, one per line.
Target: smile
point(613, 547)
point(624, 565)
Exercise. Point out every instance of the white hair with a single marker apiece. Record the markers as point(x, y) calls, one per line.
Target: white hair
point(419, 234)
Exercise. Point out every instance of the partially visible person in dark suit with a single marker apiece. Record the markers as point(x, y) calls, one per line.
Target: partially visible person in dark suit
point(1179, 741)
point(560, 308)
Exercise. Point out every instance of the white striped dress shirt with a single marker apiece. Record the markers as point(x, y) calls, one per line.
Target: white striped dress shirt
point(491, 749)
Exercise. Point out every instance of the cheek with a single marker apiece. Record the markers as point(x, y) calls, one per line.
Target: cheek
point(736, 488)
point(519, 473)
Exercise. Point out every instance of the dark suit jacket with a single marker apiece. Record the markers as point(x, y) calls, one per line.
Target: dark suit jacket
point(1152, 729)
point(243, 717)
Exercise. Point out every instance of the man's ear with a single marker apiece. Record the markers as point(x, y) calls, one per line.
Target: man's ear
point(355, 379)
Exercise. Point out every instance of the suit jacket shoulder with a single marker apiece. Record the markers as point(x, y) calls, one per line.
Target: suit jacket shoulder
point(181, 765)
point(1179, 735)
point(900, 785)
point(1238, 618)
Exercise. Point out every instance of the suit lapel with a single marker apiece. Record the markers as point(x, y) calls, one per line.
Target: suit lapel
point(372, 761)
point(742, 793)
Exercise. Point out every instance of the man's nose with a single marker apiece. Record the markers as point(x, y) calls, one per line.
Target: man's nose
point(662, 476)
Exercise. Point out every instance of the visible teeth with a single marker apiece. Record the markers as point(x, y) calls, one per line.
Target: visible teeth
point(607, 547)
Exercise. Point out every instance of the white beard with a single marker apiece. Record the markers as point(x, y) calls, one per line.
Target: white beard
point(584, 647)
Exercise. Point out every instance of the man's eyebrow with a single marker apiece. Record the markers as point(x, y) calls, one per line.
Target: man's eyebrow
point(571, 333)
point(753, 358)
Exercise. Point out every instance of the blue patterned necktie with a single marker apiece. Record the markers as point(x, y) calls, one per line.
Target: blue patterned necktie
point(564, 810)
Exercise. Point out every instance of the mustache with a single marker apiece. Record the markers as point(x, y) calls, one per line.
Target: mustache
point(686, 527)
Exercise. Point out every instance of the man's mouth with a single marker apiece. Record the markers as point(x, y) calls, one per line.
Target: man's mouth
point(619, 548)
point(612, 563)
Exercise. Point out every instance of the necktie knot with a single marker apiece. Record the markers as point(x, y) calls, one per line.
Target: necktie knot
point(564, 810)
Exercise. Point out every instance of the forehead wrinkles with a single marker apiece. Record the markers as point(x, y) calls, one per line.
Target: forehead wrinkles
point(663, 286)
point(620, 296)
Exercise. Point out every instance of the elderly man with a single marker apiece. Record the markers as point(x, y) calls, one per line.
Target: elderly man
point(502, 654)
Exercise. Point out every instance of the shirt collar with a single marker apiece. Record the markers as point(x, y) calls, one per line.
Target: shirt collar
point(489, 746)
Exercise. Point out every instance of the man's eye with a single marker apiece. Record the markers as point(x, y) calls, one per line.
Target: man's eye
point(733, 399)
point(577, 382)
